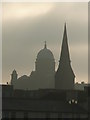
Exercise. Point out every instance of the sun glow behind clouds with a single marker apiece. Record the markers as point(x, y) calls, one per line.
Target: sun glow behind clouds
point(21, 11)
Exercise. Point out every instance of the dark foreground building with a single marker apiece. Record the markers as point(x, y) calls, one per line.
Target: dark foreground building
point(44, 103)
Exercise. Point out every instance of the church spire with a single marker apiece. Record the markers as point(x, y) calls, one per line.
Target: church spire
point(65, 50)
point(64, 76)
point(45, 45)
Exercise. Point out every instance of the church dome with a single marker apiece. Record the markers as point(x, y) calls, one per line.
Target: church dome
point(45, 54)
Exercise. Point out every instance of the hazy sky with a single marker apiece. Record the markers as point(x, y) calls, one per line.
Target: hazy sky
point(27, 25)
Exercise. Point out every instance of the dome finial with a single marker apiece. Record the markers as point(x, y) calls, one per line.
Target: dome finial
point(45, 46)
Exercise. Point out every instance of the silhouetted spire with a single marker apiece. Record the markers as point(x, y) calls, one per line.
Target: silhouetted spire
point(65, 50)
point(64, 77)
point(45, 46)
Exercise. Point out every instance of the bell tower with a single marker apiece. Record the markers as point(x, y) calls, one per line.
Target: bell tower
point(14, 77)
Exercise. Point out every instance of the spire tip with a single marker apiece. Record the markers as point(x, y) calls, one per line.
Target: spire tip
point(45, 46)
point(65, 25)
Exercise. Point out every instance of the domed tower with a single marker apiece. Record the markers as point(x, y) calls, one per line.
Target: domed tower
point(45, 62)
point(43, 76)
point(14, 77)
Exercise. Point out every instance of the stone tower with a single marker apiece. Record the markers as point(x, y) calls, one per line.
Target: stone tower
point(14, 77)
point(64, 76)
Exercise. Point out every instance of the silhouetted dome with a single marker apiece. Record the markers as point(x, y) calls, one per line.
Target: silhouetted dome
point(45, 54)
point(23, 77)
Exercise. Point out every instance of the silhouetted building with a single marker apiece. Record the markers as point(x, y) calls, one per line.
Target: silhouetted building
point(80, 86)
point(44, 103)
point(42, 77)
point(44, 73)
point(64, 77)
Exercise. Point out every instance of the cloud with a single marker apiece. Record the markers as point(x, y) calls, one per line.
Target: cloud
point(18, 11)
point(23, 38)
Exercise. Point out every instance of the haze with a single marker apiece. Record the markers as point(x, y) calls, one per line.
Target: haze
point(27, 25)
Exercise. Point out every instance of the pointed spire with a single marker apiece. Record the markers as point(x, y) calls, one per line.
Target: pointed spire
point(45, 45)
point(65, 50)
point(65, 29)
point(14, 72)
point(64, 77)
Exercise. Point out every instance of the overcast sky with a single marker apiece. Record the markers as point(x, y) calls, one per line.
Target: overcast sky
point(27, 25)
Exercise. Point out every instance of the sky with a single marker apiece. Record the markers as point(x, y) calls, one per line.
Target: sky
point(25, 27)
